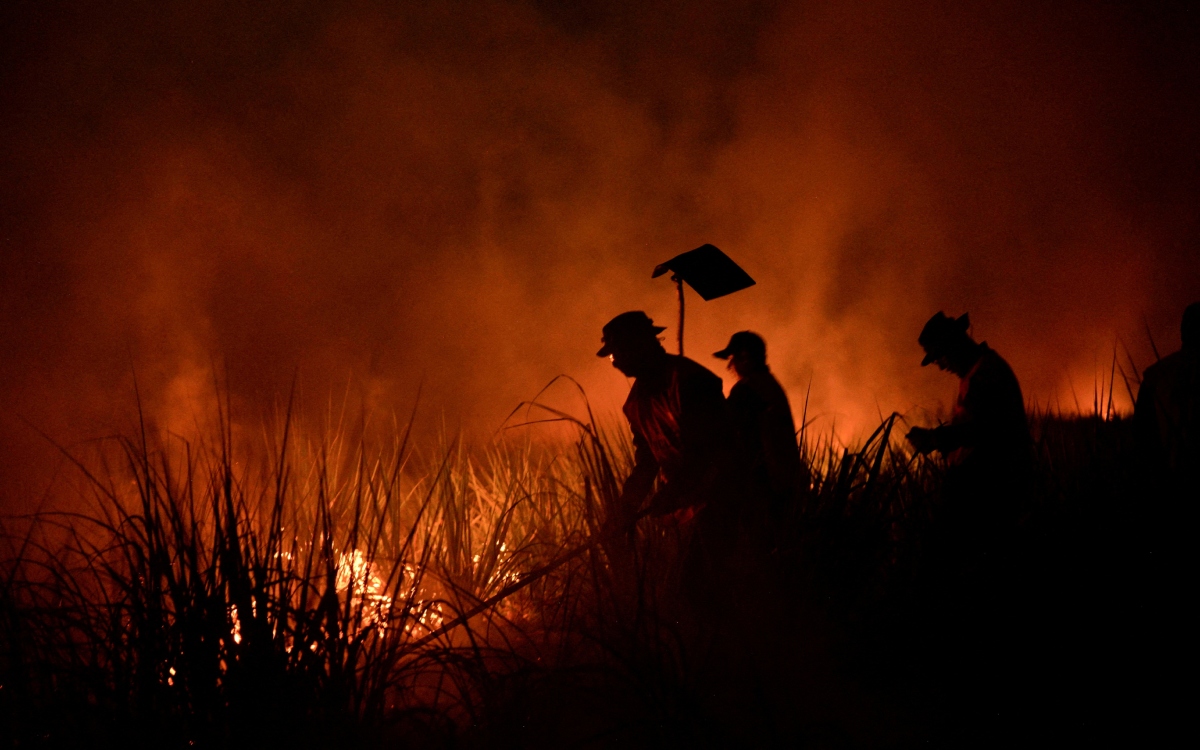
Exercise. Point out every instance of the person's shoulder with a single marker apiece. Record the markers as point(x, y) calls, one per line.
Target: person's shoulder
point(993, 363)
point(741, 390)
point(759, 388)
point(692, 369)
point(1167, 364)
point(760, 381)
point(769, 380)
point(990, 355)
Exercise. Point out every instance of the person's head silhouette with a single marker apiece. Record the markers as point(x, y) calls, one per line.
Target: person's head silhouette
point(631, 342)
point(746, 352)
point(947, 343)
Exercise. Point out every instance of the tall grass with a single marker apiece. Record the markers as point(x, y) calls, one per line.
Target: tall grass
point(204, 595)
point(313, 588)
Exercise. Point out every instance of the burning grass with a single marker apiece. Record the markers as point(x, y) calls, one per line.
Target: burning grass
point(357, 593)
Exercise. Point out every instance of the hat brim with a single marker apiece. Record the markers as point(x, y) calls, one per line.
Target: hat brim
point(725, 353)
point(930, 359)
point(607, 349)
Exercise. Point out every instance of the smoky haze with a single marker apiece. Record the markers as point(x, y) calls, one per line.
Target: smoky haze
point(376, 198)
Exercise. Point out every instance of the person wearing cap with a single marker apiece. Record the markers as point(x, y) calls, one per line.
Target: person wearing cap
point(677, 413)
point(988, 433)
point(763, 420)
point(1167, 413)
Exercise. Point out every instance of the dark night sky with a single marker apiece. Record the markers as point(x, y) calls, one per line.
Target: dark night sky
point(377, 195)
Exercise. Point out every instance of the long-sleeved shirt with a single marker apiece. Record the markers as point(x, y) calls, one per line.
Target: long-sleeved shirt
point(681, 434)
point(1167, 413)
point(989, 426)
point(763, 419)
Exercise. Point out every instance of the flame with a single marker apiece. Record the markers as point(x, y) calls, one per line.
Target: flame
point(237, 624)
point(357, 577)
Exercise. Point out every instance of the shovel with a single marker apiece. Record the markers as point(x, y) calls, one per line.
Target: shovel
point(706, 269)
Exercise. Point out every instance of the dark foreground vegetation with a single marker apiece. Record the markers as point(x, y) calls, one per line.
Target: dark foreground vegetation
point(306, 595)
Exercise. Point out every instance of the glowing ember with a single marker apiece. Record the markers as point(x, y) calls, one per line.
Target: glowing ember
point(357, 577)
point(237, 624)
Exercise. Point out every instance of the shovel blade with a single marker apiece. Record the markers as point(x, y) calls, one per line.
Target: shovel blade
point(709, 271)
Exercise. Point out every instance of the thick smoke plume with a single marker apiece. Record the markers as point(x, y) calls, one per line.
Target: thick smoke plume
point(456, 196)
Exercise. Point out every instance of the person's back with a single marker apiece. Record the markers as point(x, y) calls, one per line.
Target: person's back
point(990, 416)
point(678, 414)
point(989, 430)
point(986, 443)
point(1167, 412)
point(762, 418)
point(684, 458)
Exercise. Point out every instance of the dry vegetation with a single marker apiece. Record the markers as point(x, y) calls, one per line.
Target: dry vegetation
point(357, 593)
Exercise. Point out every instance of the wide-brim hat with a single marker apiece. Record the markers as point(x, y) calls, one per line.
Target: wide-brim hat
point(627, 327)
point(939, 333)
point(743, 341)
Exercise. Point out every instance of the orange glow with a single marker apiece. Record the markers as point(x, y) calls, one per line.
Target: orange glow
point(389, 198)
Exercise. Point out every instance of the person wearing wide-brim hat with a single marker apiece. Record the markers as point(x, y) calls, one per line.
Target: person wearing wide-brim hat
point(988, 424)
point(677, 413)
point(987, 448)
point(762, 417)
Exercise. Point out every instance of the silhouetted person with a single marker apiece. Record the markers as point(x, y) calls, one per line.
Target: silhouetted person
point(1167, 424)
point(986, 443)
point(762, 418)
point(1167, 413)
point(975, 575)
point(988, 432)
point(677, 413)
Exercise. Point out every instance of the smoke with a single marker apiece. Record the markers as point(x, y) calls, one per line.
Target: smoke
point(375, 199)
